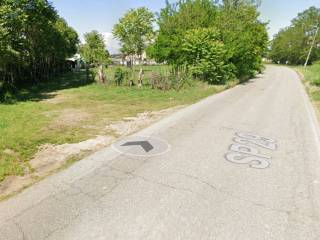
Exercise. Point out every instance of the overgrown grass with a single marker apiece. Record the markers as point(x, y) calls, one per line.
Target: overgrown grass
point(70, 110)
point(312, 78)
point(312, 74)
point(148, 70)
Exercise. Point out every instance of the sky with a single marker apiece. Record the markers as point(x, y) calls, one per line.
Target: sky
point(87, 15)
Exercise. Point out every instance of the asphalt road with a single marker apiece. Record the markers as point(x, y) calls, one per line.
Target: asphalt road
point(243, 164)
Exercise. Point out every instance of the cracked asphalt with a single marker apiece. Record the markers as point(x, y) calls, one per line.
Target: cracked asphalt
point(243, 164)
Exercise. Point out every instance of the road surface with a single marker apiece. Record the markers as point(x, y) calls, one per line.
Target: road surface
point(243, 164)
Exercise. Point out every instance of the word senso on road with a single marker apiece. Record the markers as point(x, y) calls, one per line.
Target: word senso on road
point(242, 151)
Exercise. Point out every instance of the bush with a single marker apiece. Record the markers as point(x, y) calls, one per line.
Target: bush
point(207, 56)
point(7, 92)
point(159, 81)
point(177, 79)
point(119, 76)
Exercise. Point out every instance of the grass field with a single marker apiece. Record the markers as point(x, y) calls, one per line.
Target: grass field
point(70, 110)
point(312, 78)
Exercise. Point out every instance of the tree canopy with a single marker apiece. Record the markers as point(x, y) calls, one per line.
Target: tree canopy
point(244, 36)
point(134, 31)
point(206, 55)
point(34, 43)
point(174, 21)
point(94, 50)
point(241, 36)
point(292, 44)
point(95, 53)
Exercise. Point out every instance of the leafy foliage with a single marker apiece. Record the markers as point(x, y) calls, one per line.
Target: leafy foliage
point(174, 78)
point(120, 75)
point(34, 43)
point(94, 50)
point(94, 53)
point(174, 20)
point(244, 36)
point(135, 30)
point(207, 55)
point(238, 46)
point(293, 43)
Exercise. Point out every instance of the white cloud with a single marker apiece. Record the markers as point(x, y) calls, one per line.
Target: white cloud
point(112, 44)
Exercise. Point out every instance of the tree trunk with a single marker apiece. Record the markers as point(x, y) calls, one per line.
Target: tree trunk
point(102, 76)
point(141, 72)
point(140, 78)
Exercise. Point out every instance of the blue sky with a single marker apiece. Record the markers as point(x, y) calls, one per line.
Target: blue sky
point(101, 15)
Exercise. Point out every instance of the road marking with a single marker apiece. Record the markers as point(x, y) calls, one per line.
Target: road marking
point(245, 149)
point(253, 161)
point(264, 142)
point(242, 151)
point(142, 146)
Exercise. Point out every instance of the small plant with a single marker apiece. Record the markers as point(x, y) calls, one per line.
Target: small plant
point(7, 93)
point(119, 76)
point(186, 80)
point(177, 78)
point(160, 81)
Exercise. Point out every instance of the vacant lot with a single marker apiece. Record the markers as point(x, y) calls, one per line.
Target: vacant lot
point(71, 110)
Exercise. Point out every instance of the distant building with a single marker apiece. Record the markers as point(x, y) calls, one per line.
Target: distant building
point(120, 59)
point(116, 59)
point(75, 62)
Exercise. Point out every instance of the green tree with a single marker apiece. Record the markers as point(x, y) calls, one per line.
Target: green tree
point(207, 56)
point(174, 20)
point(34, 43)
point(134, 31)
point(95, 53)
point(293, 43)
point(238, 3)
point(245, 37)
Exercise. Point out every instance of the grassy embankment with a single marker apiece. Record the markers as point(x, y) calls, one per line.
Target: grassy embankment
point(71, 110)
point(312, 82)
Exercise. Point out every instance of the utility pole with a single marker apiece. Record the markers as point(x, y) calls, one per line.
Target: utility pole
point(313, 42)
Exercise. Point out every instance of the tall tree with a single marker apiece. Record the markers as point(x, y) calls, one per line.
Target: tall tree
point(174, 20)
point(244, 35)
point(292, 44)
point(238, 3)
point(95, 53)
point(135, 30)
point(34, 43)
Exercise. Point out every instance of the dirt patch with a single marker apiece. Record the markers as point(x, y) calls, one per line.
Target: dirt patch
point(132, 124)
point(52, 157)
point(69, 118)
point(14, 184)
point(54, 98)
point(9, 152)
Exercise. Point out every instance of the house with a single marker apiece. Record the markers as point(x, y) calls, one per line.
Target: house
point(75, 62)
point(120, 59)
